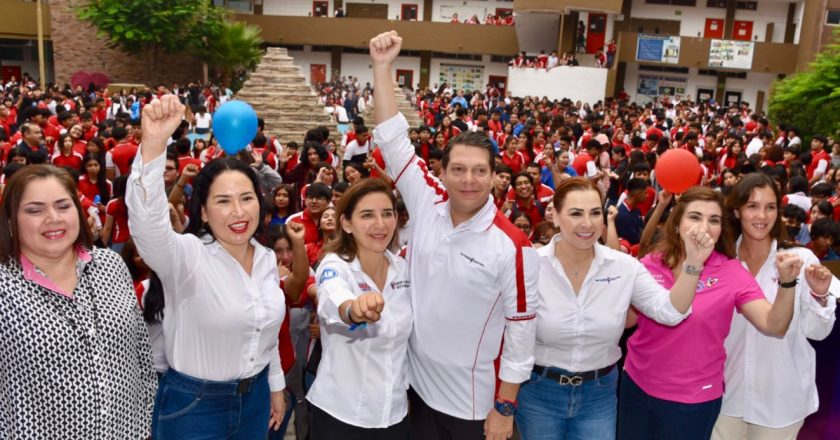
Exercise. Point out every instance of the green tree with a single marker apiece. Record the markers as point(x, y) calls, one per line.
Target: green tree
point(149, 28)
point(810, 100)
point(230, 48)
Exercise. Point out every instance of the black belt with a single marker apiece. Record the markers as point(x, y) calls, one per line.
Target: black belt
point(573, 379)
point(244, 386)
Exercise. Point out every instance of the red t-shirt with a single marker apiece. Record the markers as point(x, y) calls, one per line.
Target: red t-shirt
point(122, 155)
point(516, 163)
point(580, 163)
point(377, 157)
point(310, 227)
point(73, 160)
point(116, 208)
point(80, 147)
point(183, 161)
point(532, 210)
point(815, 160)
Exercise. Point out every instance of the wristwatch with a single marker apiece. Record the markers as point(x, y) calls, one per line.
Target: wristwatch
point(505, 407)
point(692, 270)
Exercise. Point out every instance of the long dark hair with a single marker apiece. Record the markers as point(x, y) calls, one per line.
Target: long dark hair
point(101, 177)
point(12, 195)
point(153, 300)
point(740, 195)
point(201, 190)
point(293, 200)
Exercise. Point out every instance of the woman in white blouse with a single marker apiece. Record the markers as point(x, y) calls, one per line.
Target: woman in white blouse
point(770, 382)
point(202, 120)
point(360, 391)
point(222, 293)
point(585, 292)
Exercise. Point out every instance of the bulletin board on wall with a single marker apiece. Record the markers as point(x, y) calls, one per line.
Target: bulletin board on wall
point(656, 85)
point(462, 77)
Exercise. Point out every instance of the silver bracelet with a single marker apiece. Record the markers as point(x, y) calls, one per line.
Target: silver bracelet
point(347, 313)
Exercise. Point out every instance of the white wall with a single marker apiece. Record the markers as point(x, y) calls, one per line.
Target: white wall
point(305, 58)
point(800, 12)
point(585, 84)
point(442, 9)
point(292, 7)
point(304, 7)
point(748, 87)
point(693, 19)
point(767, 12)
point(359, 65)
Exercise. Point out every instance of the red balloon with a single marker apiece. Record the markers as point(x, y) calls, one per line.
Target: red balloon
point(677, 170)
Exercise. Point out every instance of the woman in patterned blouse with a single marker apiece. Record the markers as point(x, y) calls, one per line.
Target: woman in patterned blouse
point(75, 359)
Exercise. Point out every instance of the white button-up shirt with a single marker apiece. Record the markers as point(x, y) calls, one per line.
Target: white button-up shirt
point(472, 285)
point(219, 323)
point(771, 381)
point(363, 375)
point(581, 332)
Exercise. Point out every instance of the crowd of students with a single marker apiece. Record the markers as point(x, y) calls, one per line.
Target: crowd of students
point(498, 20)
point(534, 222)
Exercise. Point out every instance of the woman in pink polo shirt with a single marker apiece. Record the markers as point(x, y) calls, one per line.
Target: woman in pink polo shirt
point(673, 379)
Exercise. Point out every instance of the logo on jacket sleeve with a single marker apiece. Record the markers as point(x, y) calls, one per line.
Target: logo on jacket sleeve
point(327, 274)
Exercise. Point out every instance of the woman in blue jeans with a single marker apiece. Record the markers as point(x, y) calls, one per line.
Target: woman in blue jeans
point(585, 291)
point(223, 302)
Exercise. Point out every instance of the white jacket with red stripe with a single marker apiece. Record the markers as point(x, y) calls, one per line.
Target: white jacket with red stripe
point(473, 287)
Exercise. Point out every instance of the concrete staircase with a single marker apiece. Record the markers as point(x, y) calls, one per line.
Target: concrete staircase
point(404, 105)
point(280, 95)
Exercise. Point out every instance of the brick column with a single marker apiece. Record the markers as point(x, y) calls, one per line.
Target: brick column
point(76, 48)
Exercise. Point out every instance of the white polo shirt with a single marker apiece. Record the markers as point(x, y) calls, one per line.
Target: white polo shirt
point(363, 375)
point(472, 286)
point(771, 382)
point(580, 332)
point(355, 149)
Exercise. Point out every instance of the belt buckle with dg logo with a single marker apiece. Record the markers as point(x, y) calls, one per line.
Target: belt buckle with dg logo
point(570, 380)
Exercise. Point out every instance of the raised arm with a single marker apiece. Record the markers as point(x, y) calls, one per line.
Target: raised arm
point(384, 48)
point(646, 240)
point(160, 119)
point(419, 188)
point(774, 318)
point(166, 252)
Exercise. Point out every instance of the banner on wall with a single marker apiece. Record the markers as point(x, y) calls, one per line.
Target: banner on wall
point(731, 54)
point(462, 77)
point(657, 85)
point(658, 48)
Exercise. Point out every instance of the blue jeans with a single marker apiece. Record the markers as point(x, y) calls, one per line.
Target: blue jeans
point(196, 409)
point(548, 410)
point(644, 417)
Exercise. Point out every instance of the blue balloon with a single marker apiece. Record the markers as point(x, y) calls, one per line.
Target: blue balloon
point(235, 125)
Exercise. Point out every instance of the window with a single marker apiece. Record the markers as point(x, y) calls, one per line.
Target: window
point(712, 72)
point(716, 4)
point(833, 17)
point(665, 69)
point(749, 6)
point(10, 53)
point(672, 2)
